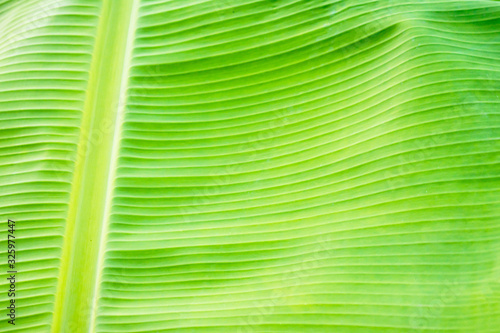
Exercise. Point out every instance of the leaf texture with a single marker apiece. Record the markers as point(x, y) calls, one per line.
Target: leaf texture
point(257, 166)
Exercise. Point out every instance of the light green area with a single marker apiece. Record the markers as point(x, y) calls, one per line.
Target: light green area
point(93, 176)
point(252, 166)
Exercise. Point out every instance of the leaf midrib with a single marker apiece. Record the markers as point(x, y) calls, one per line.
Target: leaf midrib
point(90, 201)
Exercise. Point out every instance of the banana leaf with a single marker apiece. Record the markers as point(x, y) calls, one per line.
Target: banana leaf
point(250, 166)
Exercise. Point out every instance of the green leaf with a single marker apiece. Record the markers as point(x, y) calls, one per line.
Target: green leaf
point(250, 166)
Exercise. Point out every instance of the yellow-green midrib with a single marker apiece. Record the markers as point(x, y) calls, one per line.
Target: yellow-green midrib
point(79, 279)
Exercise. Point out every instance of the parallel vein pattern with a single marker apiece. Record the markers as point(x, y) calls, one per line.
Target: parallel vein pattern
point(43, 80)
point(308, 166)
point(291, 166)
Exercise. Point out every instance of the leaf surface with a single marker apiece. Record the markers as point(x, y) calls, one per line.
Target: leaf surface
point(251, 166)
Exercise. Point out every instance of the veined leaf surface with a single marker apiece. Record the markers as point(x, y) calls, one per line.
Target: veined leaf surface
point(251, 166)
